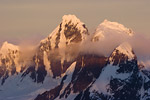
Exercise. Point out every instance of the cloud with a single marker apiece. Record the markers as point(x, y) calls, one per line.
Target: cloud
point(139, 43)
point(28, 50)
point(105, 46)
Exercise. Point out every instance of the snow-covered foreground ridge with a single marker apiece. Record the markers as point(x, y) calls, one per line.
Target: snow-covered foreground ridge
point(63, 67)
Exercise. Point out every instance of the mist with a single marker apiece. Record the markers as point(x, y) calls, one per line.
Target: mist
point(27, 49)
point(104, 47)
point(140, 44)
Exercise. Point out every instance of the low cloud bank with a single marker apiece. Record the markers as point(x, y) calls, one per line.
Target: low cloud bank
point(27, 52)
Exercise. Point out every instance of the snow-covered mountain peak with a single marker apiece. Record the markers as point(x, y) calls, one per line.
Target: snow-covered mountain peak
point(123, 52)
point(106, 28)
point(59, 70)
point(126, 49)
point(9, 60)
point(74, 22)
point(8, 46)
point(70, 30)
point(70, 18)
point(115, 26)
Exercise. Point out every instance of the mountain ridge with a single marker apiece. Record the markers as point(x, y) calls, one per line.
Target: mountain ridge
point(60, 71)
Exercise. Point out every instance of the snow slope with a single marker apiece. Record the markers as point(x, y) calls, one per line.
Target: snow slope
point(86, 77)
point(108, 28)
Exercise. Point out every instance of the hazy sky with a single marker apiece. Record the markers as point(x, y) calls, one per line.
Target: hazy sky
point(35, 19)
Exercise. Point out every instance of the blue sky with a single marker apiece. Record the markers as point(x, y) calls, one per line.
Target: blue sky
point(35, 19)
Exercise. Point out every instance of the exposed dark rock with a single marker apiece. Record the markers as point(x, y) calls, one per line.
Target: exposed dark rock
point(87, 70)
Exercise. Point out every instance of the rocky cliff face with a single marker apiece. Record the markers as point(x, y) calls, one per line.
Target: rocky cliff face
point(9, 61)
point(116, 77)
point(58, 70)
point(87, 69)
point(50, 56)
point(53, 51)
point(119, 80)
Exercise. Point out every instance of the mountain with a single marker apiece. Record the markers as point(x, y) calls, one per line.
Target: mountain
point(59, 70)
point(48, 64)
point(93, 75)
point(117, 77)
point(71, 31)
point(106, 29)
point(9, 58)
point(50, 58)
point(120, 78)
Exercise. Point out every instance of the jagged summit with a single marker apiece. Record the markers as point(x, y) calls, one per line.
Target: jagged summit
point(70, 30)
point(71, 19)
point(67, 18)
point(126, 49)
point(9, 60)
point(106, 28)
point(58, 70)
point(8, 46)
point(122, 54)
